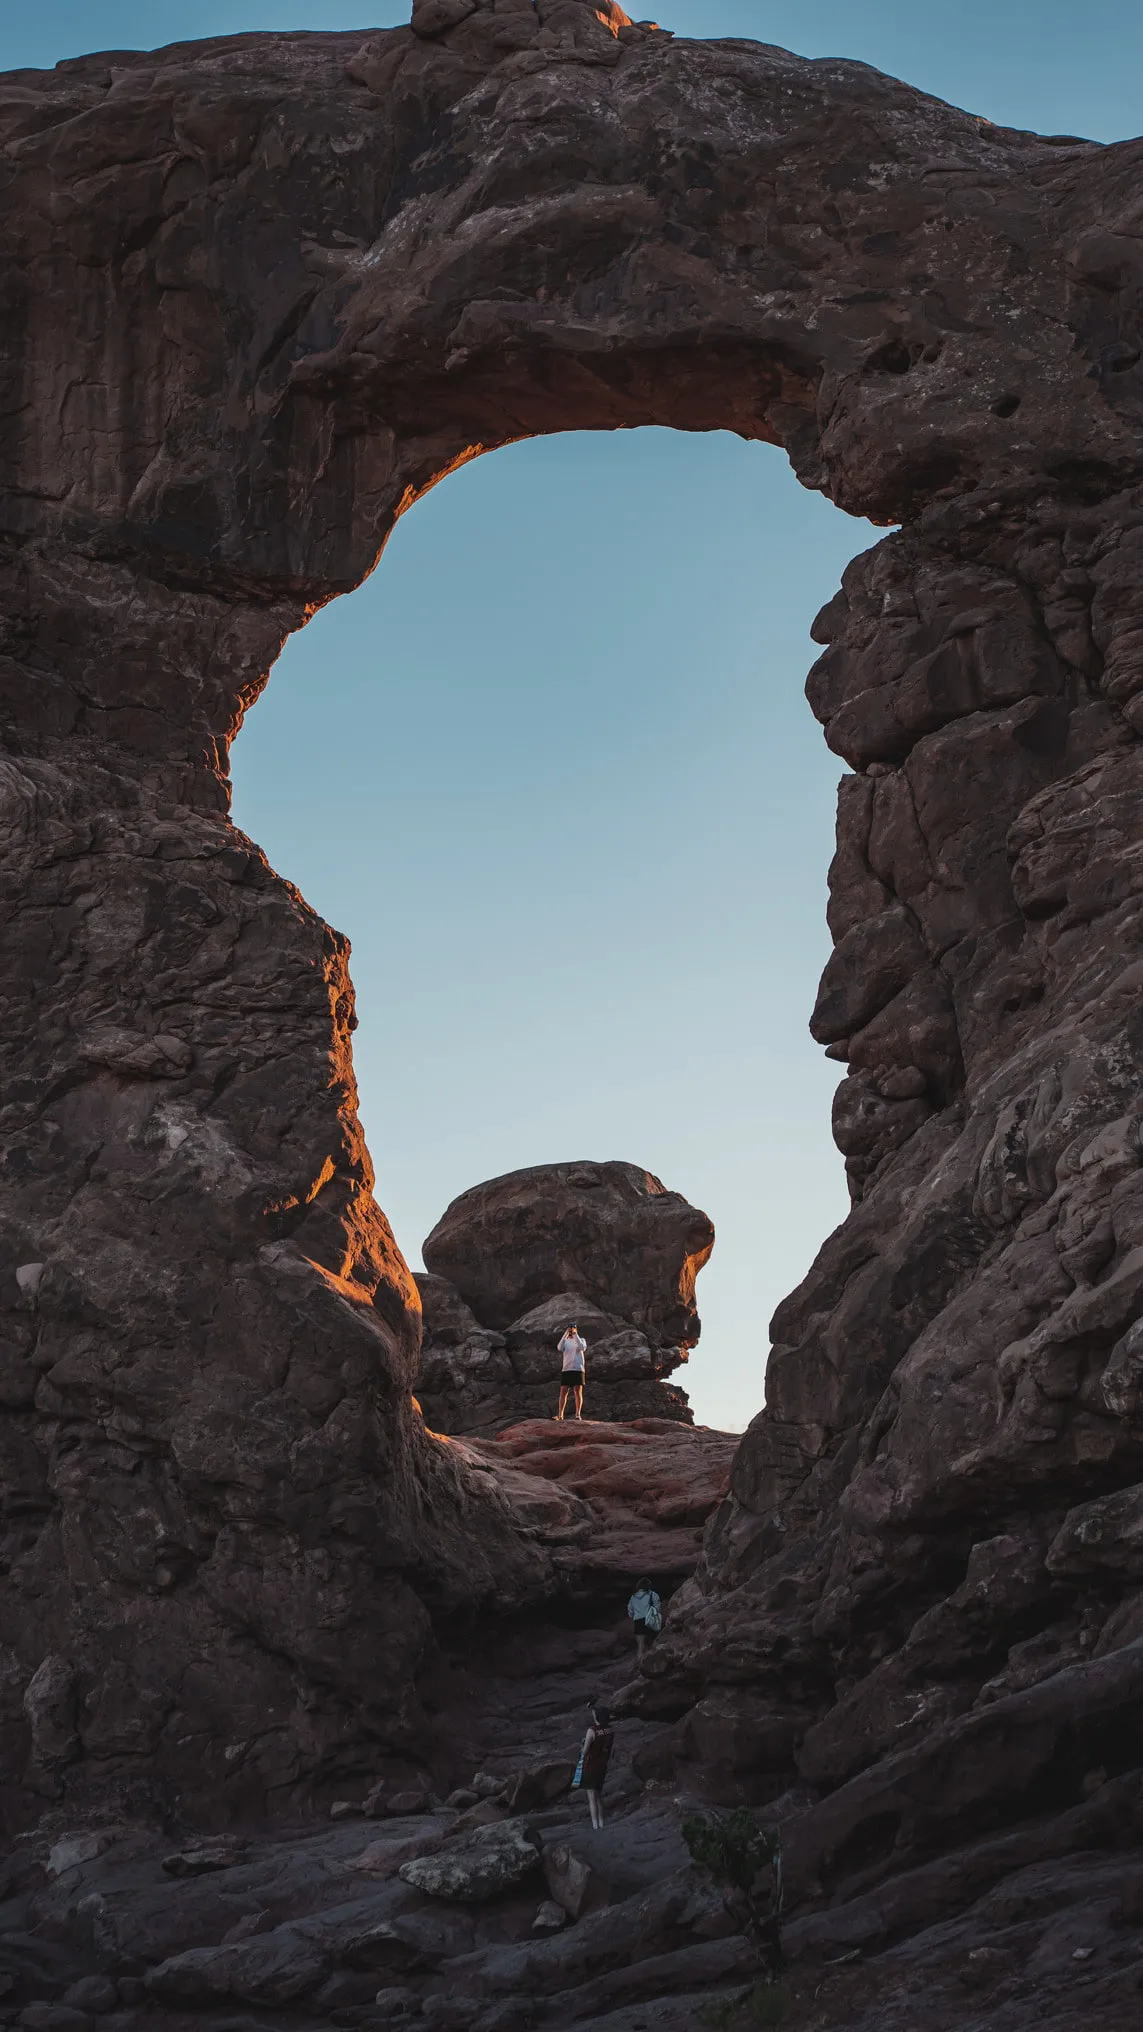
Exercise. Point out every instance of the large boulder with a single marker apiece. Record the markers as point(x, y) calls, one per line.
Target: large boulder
point(514, 1261)
point(610, 1234)
point(476, 1866)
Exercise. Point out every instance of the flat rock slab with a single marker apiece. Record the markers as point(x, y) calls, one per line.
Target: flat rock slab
point(385, 1856)
point(72, 1850)
point(479, 1866)
point(276, 1970)
point(202, 1858)
point(641, 1491)
point(661, 1471)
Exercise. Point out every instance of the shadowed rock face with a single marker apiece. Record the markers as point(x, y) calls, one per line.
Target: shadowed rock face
point(257, 295)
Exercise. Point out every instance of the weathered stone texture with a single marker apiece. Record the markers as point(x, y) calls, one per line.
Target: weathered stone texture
point(259, 293)
point(513, 1262)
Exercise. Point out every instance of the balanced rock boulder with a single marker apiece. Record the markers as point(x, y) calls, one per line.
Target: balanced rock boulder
point(610, 1233)
point(511, 1263)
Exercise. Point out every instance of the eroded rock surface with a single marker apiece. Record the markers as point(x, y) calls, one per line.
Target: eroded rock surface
point(513, 1262)
point(612, 1501)
point(418, 1902)
point(314, 1929)
point(258, 294)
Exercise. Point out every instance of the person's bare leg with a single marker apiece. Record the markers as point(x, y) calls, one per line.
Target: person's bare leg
point(596, 1809)
point(640, 1647)
point(563, 1400)
point(578, 1395)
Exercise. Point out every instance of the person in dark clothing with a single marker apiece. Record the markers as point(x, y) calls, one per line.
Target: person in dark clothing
point(594, 1760)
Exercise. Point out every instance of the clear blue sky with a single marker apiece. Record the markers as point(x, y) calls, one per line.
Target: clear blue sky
point(551, 768)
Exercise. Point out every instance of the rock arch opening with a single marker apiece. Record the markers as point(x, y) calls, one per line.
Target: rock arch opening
point(259, 295)
point(552, 771)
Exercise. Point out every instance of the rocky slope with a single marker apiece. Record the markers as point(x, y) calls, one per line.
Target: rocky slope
point(513, 1262)
point(121, 1917)
point(502, 1911)
point(640, 1495)
point(259, 293)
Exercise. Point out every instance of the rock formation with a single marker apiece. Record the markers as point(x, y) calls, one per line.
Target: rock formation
point(421, 1902)
point(260, 293)
point(615, 1502)
point(512, 1262)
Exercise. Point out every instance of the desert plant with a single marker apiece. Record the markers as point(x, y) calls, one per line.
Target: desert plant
point(769, 2004)
point(762, 2005)
point(733, 1848)
point(721, 2012)
point(744, 1859)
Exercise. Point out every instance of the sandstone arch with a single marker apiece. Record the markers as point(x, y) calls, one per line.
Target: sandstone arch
point(257, 294)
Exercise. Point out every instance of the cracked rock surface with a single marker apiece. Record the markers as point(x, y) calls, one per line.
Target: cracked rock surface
point(259, 293)
point(512, 1263)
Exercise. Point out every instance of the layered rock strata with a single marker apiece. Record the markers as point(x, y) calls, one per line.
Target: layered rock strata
point(260, 293)
point(514, 1262)
point(615, 1502)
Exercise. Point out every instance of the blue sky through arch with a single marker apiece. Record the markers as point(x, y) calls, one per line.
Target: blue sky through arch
point(552, 769)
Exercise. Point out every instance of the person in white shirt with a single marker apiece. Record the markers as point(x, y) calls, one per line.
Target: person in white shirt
point(646, 1612)
point(573, 1351)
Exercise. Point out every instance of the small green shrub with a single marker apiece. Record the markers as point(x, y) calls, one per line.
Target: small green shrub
point(763, 2005)
point(769, 2004)
point(745, 1860)
point(721, 2013)
point(718, 2014)
point(732, 1848)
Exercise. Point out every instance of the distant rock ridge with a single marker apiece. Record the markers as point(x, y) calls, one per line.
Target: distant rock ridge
point(512, 1262)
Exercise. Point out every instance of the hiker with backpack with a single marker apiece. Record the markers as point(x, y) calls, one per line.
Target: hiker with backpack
point(591, 1771)
point(646, 1612)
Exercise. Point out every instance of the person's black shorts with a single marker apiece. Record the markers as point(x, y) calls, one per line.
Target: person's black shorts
point(572, 1379)
point(641, 1629)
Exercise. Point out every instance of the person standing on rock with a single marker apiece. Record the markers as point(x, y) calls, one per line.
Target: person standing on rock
point(594, 1759)
point(646, 1612)
point(573, 1351)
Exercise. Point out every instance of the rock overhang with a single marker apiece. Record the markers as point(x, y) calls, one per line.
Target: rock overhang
point(487, 243)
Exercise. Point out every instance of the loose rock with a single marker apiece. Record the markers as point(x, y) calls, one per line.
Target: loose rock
point(549, 1918)
point(568, 1878)
point(477, 1867)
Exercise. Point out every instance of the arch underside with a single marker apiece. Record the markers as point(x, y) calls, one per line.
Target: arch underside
point(258, 295)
